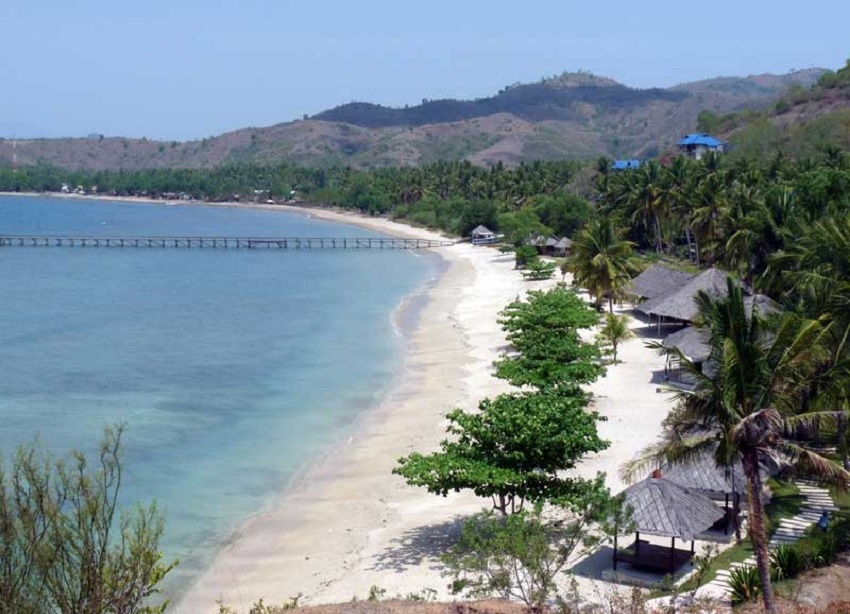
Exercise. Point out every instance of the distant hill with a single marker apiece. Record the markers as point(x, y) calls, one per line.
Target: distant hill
point(573, 115)
point(802, 122)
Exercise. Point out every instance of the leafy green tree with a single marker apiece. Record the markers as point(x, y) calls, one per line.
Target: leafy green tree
point(603, 261)
point(64, 546)
point(538, 270)
point(525, 256)
point(547, 348)
point(614, 330)
point(512, 450)
point(521, 556)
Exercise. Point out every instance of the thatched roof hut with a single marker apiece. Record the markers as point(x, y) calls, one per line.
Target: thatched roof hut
point(691, 341)
point(657, 281)
point(679, 303)
point(704, 475)
point(663, 507)
point(482, 234)
point(562, 247)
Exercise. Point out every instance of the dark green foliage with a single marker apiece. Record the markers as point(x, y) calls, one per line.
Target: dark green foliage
point(525, 255)
point(787, 562)
point(64, 545)
point(745, 584)
point(544, 334)
point(537, 270)
point(511, 450)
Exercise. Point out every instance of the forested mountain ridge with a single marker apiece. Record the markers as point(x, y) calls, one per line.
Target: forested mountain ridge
point(568, 116)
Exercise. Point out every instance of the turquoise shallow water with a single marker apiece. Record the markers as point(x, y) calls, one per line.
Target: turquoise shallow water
point(232, 369)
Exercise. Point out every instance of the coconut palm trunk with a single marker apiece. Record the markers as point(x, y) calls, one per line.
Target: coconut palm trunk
point(758, 535)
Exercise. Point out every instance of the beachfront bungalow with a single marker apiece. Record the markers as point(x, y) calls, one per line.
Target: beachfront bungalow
point(678, 303)
point(726, 484)
point(657, 281)
point(545, 245)
point(481, 235)
point(663, 508)
point(697, 145)
point(562, 248)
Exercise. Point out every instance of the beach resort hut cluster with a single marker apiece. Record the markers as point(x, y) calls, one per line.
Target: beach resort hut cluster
point(666, 296)
point(551, 246)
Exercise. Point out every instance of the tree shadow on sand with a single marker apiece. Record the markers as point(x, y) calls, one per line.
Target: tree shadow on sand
point(420, 546)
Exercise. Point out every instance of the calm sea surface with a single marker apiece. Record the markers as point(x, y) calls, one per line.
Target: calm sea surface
point(231, 369)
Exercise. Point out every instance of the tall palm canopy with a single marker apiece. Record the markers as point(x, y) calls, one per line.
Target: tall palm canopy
point(603, 261)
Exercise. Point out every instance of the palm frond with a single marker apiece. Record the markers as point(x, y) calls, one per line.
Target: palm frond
point(814, 418)
point(674, 451)
point(814, 466)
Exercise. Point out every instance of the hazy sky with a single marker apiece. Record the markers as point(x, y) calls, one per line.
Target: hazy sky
point(179, 69)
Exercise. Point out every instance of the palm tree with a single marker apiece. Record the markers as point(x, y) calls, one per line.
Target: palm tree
point(615, 330)
point(603, 261)
point(740, 407)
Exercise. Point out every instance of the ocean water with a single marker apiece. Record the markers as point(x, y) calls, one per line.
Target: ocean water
point(232, 369)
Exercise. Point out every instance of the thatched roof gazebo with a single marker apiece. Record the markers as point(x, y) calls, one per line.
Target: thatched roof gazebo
point(690, 341)
point(720, 483)
point(657, 281)
point(663, 508)
point(679, 304)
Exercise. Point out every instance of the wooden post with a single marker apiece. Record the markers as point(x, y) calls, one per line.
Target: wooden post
point(615, 552)
point(673, 555)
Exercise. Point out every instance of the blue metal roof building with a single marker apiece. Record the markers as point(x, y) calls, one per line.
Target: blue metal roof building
point(621, 165)
point(695, 145)
point(700, 139)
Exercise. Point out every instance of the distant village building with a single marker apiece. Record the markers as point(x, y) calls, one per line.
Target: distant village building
point(623, 165)
point(562, 247)
point(698, 144)
point(482, 235)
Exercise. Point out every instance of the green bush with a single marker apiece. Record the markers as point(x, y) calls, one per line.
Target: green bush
point(745, 584)
point(786, 562)
point(818, 549)
point(539, 270)
point(525, 255)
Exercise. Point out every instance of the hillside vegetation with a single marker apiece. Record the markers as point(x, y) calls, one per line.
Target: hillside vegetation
point(570, 116)
point(802, 123)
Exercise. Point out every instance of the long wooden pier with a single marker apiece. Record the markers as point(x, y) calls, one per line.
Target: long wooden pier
point(219, 242)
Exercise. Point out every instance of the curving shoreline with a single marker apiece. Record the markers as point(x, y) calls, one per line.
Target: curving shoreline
point(350, 524)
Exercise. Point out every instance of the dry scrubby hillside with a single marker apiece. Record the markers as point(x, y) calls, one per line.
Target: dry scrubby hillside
point(802, 122)
point(574, 115)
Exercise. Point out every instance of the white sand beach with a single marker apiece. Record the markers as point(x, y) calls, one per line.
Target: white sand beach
point(350, 524)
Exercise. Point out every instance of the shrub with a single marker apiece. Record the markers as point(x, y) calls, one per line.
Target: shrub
point(786, 562)
point(818, 550)
point(538, 270)
point(525, 255)
point(745, 584)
